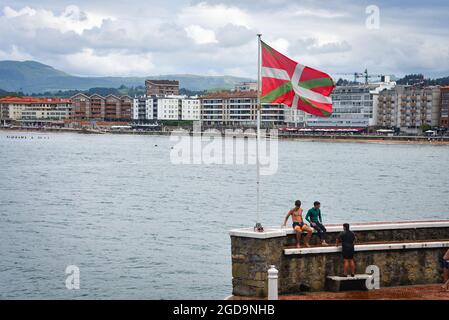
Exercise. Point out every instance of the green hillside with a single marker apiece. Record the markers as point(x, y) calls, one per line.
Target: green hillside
point(35, 77)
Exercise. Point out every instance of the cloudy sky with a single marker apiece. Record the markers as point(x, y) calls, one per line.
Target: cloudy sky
point(216, 37)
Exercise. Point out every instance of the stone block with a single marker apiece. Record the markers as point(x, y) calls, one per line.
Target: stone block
point(240, 270)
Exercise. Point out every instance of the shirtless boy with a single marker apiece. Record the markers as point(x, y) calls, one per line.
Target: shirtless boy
point(298, 224)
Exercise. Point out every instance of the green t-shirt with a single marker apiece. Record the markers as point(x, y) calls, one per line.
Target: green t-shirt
point(313, 215)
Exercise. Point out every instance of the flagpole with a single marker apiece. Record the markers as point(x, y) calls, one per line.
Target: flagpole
point(258, 226)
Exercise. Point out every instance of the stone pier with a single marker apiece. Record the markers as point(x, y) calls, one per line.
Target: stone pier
point(406, 253)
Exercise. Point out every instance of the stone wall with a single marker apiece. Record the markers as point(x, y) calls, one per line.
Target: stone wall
point(397, 267)
point(251, 258)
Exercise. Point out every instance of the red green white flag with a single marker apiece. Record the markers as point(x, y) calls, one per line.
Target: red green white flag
point(288, 82)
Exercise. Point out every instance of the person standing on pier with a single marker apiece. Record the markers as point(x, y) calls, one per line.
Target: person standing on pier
point(298, 224)
point(316, 221)
point(347, 239)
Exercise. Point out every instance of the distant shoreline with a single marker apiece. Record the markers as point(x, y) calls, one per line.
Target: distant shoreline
point(371, 140)
point(421, 140)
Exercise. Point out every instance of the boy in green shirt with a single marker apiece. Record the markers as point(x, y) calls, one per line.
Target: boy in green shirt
point(314, 218)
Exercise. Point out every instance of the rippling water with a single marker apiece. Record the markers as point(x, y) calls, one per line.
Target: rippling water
point(140, 227)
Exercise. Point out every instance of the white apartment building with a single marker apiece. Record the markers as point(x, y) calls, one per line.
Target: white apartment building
point(143, 108)
point(352, 106)
point(172, 107)
point(190, 109)
point(168, 108)
point(408, 107)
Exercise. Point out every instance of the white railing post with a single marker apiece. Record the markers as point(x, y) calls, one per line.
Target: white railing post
point(272, 283)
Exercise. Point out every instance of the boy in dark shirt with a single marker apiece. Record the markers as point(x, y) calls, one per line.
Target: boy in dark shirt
point(347, 239)
point(315, 219)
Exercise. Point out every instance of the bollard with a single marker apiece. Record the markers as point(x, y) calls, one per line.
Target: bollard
point(272, 283)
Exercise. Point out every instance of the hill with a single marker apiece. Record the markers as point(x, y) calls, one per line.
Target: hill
point(34, 77)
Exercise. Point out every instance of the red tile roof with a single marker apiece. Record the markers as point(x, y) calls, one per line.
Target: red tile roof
point(230, 95)
point(33, 100)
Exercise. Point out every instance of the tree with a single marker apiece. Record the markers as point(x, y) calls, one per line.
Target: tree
point(424, 127)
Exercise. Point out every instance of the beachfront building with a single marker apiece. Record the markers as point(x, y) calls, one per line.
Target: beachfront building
point(444, 107)
point(237, 109)
point(11, 108)
point(168, 108)
point(407, 108)
point(171, 107)
point(161, 88)
point(143, 108)
point(352, 106)
point(190, 109)
point(97, 107)
point(33, 109)
point(294, 117)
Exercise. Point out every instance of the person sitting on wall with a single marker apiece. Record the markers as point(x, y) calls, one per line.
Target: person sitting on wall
point(313, 216)
point(298, 224)
point(347, 239)
point(445, 265)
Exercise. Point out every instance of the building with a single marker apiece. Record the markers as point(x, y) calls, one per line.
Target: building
point(161, 88)
point(171, 107)
point(294, 117)
point(31, 109)
point(97, 107)
point(168, 109)
point(407, 108)
point(143, 108)
point(352, 106)
point(190, 109)
point(444, 107)
point(238, 109)
point(246, 86)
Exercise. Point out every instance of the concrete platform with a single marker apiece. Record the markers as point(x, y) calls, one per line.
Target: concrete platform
point(338, 283)
point(371, 247)
point(272, 232)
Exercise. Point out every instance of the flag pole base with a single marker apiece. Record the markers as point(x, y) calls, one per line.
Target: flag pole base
point(258, 227)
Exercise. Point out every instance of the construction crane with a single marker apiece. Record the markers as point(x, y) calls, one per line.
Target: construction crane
point(363, 74)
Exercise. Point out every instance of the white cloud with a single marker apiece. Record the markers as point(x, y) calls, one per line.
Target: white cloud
point(11, 13)
point(201, 35)
point(114, 63)
point(214, 16)
point(217, 36)
point(232, 35)
point(319, 13)
point(314, 46)
point(71, 19)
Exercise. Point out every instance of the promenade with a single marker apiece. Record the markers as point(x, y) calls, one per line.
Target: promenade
point(416, 292)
